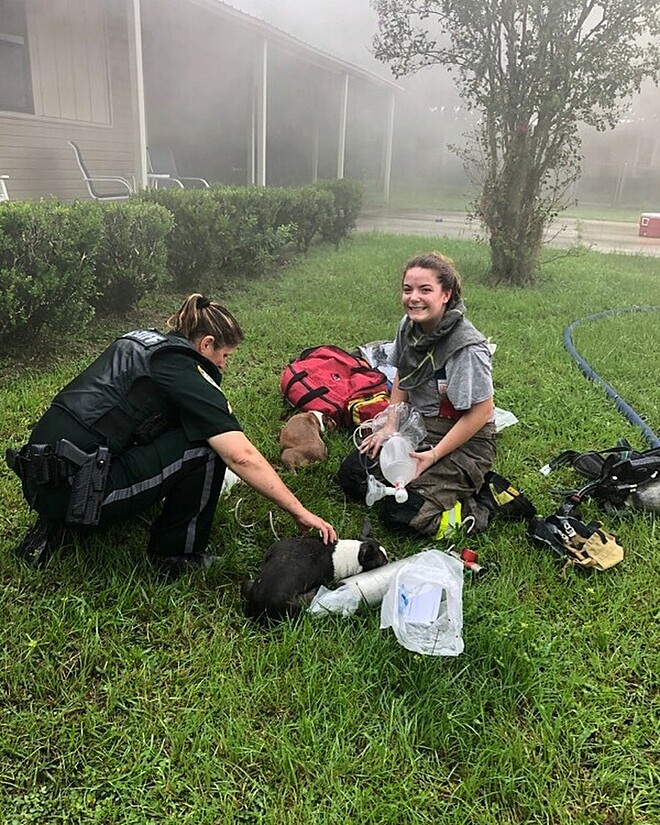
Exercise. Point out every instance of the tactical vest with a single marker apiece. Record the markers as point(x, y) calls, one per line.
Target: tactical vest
point(116, 399)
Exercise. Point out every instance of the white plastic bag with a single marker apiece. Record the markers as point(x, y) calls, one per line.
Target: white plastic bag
point(228, 482)
point(378, 353)
point(344, 601)
point(424, 605)
point(503, 419)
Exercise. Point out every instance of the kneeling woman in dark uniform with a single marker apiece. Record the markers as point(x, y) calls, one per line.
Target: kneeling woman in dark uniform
point(144, 423)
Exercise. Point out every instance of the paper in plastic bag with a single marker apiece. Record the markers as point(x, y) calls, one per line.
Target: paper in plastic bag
point(424, 605)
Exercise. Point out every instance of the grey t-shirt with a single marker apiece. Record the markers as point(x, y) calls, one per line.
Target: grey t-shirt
point(466, 379)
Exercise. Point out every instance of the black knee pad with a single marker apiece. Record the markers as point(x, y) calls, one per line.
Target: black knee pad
point(352, 475)
point(400, 515)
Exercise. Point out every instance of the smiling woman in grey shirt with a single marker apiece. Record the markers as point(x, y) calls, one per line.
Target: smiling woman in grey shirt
point(444, 371)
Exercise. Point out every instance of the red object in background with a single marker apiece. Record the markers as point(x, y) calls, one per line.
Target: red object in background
point(649, 225)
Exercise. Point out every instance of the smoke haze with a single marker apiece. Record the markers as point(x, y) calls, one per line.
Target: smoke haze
point(619, 166)
point(342, 27)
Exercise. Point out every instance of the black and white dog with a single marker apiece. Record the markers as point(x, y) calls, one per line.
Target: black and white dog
point(293, 569)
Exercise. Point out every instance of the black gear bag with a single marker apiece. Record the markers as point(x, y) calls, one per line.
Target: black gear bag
point(618, 477)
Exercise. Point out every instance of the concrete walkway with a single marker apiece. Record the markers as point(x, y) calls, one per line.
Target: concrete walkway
point(601, 236)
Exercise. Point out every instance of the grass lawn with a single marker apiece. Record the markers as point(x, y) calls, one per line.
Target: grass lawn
point(126, 700)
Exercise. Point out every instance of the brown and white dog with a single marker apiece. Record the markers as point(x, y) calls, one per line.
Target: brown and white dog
point(301, 440)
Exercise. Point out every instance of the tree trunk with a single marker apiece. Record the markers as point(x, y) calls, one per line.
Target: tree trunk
point(512, 212)
point(514, 257)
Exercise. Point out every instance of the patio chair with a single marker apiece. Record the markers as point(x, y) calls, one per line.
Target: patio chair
point(92, 180)
point(4, 194)
point(161, 164)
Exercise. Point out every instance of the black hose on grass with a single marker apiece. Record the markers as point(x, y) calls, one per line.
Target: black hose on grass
point(624, 408)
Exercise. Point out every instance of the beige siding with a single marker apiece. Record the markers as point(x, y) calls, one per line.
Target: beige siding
point(80, 71)
point(69, 62)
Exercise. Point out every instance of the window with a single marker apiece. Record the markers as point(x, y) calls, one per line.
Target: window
point(16, 83)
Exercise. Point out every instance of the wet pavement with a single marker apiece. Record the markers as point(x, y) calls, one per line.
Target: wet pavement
point(601, 236)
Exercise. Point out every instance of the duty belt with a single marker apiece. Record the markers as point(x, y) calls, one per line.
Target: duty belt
point(48, 465)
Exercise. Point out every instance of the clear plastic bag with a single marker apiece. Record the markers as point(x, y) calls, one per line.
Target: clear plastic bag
point(401, 418)
point(424, 605)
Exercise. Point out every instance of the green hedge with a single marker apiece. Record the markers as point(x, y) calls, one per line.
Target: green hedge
point(47, 254)
point(225, 233)
point(131, 258)
point(222, 233)
point(61, 263)
point(347, 201)
point(306, 210)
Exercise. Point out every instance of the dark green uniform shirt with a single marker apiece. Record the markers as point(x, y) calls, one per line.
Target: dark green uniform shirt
point(201, 405)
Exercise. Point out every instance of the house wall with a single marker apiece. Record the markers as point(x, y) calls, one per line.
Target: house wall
point(80, 67)
point(198, 81)
point(201, 71)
